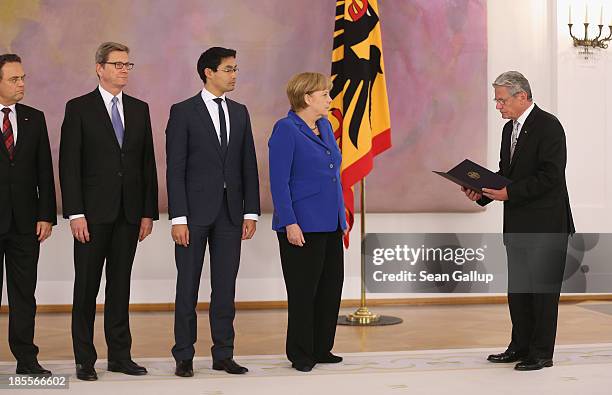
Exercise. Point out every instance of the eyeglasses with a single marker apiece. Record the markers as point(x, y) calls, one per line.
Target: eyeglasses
point(15, 80)
point(120, 65)
point(229, 69)
point(503, 102)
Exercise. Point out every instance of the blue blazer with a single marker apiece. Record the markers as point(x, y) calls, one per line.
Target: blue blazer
point(305, 176)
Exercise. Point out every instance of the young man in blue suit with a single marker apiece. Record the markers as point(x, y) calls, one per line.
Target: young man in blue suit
point(213, 198)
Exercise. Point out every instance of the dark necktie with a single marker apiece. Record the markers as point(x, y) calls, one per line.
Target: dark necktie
point(222, 125)
point(7, 133)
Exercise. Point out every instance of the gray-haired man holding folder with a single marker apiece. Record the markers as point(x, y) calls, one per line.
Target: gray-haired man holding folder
point(537, 220)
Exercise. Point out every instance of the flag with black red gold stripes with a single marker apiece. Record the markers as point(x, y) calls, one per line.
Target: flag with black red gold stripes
point(359, 111)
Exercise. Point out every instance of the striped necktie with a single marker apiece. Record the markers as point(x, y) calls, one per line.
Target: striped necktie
point(515, 134)
point(7, 133)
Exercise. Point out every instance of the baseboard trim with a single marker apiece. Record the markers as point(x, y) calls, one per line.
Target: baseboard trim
point(282, 304)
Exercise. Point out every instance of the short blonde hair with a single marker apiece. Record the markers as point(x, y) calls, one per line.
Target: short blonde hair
point(305, 83)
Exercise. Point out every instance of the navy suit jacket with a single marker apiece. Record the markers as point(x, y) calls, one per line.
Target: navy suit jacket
point(196, 170)
point(305, 176)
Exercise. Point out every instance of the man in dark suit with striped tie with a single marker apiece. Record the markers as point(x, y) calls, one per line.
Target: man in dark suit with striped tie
point(109, 193)
point(27, 208)
point(537, 220)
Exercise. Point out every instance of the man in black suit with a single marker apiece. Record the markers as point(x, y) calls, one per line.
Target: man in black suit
point(109, 193)
point(27, 208)
point(213, 197)
point(537, 220)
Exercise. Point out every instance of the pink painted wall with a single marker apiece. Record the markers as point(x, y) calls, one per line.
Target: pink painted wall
point(435, 54)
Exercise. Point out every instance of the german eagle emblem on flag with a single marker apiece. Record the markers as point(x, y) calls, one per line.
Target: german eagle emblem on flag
point(359, 111)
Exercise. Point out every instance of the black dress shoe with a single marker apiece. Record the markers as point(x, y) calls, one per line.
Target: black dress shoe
point(184, 368)
point(86, 373)
point(533, 364)
point(329, 358)
point(32, 369)
point(302, 366)
point(230, 366)
point(127, 366)
point(505, 357)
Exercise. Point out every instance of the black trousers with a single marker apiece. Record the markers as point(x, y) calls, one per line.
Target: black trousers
point(20, 255)
point(535, 275)
point(114, 243)
point(313, 274)
point(224, 238)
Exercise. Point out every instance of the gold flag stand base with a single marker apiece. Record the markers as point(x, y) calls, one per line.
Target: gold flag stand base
point(363, 316)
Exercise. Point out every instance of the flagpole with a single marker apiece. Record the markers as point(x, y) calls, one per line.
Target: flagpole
point(363, 316)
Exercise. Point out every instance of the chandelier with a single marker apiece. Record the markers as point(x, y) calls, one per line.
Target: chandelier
point(586, 44)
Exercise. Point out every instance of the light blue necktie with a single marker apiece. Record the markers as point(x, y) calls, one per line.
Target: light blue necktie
point(116, 120)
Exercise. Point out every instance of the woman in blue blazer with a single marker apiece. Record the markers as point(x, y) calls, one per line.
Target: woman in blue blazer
point(309, 219)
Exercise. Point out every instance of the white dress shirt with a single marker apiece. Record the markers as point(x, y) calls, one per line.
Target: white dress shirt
point(108, 103)
point(213, 110)
point(13, 119)
point(107, 97)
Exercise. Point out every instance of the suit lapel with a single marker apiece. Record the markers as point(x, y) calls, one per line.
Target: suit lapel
point(523, 136)
point(328, 138)
point(310, 134)
point(23, 129)
point(3, 148)
point(236, 127)
point(128, 112)
point(505, 149)
point(305, 130)
point(100, 109)
point(200, 108)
